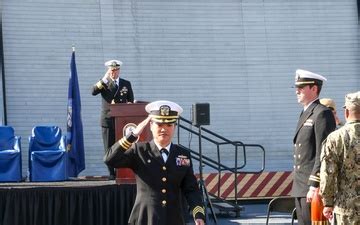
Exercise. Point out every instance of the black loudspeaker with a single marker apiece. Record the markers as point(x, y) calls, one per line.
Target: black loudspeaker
point(200, 114)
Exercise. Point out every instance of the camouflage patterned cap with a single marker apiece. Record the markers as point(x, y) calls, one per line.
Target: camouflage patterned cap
point(352, 100)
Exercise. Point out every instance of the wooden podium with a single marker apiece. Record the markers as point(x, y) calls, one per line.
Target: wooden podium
point(127, 116)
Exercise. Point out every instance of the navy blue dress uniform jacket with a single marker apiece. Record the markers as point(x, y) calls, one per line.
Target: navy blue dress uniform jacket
point(159, 184)
point(314, 125)
point(112, 94)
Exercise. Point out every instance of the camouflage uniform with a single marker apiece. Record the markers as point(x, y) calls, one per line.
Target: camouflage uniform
point(340, 173)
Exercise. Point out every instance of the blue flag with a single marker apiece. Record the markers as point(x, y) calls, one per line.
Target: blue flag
point(74, 136)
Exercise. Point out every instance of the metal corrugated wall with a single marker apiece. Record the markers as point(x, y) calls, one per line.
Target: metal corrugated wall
point(239, 56)
point(2, 80)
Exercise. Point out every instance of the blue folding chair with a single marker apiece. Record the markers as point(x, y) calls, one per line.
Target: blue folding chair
point(47, 154)
point(10, 155)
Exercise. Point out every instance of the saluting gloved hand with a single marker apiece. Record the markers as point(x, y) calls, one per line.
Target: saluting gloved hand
point(106, 76)
point(141, 126)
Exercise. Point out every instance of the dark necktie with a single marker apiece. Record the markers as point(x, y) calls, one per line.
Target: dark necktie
point(115, 85)
point(164, 153)
point(301, 113)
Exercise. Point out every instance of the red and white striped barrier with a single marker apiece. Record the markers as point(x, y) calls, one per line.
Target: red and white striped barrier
point(250, 185)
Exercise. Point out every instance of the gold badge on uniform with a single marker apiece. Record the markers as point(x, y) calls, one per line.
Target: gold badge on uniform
point(164, 110)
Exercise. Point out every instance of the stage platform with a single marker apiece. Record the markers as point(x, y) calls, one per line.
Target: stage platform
point(90, 202)
point(94, 202)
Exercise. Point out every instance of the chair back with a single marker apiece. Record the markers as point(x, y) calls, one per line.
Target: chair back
point(46, 138)
point(10, 155)
point(282, 205)
point(7, 138)
point(47, 154)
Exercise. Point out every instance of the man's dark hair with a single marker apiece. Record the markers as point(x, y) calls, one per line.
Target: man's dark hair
point(318, 89)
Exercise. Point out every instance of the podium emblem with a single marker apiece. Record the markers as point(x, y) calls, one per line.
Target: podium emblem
point(128, 129)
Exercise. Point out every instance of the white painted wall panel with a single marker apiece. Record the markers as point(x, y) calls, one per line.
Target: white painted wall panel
point(240, 56)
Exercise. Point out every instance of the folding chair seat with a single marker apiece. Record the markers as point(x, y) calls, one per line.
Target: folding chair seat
point(47, 154)
point(10, 155)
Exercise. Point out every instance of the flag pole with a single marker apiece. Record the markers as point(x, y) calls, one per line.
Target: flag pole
point(75, 138)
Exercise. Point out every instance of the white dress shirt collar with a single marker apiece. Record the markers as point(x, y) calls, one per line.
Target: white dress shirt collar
point(307, 106)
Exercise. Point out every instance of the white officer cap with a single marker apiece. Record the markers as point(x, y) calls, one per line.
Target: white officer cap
point(352, 101)
point(303, 78)
point(113, 64)
point(163, 111)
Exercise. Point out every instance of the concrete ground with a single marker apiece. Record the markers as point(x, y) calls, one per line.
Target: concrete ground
point(253, 213)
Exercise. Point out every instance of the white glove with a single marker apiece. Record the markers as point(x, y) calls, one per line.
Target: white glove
point(140, 127)
point(106, 76)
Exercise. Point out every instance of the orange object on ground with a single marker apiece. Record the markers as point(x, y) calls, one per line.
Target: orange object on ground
point(317, 216)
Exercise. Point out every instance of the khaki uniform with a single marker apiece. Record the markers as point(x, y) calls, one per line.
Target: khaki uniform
point(340, 172)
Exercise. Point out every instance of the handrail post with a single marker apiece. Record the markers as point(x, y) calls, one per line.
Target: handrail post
point(178, 131)
point(235, 180)
point(207, 200)
point(219, 171)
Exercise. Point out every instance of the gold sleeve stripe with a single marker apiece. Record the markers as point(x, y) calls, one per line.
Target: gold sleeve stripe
point(123, 142)
point(99, 85)
point(124, 145)
point(314, 178)
point(198, 209)
point(127, 143)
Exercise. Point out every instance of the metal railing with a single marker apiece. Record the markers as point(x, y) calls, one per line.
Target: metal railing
point(240, 150)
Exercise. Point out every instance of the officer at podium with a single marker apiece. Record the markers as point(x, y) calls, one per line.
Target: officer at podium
point(113, 89)
point(163, 170)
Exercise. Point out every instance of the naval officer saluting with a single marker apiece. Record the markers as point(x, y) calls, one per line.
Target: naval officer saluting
point(113, 89)
point(163, 170)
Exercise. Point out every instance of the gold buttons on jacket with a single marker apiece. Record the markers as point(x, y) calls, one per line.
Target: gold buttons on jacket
point(164, 168)
point(163, 179)
point(163, 203)
point(163, 191)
